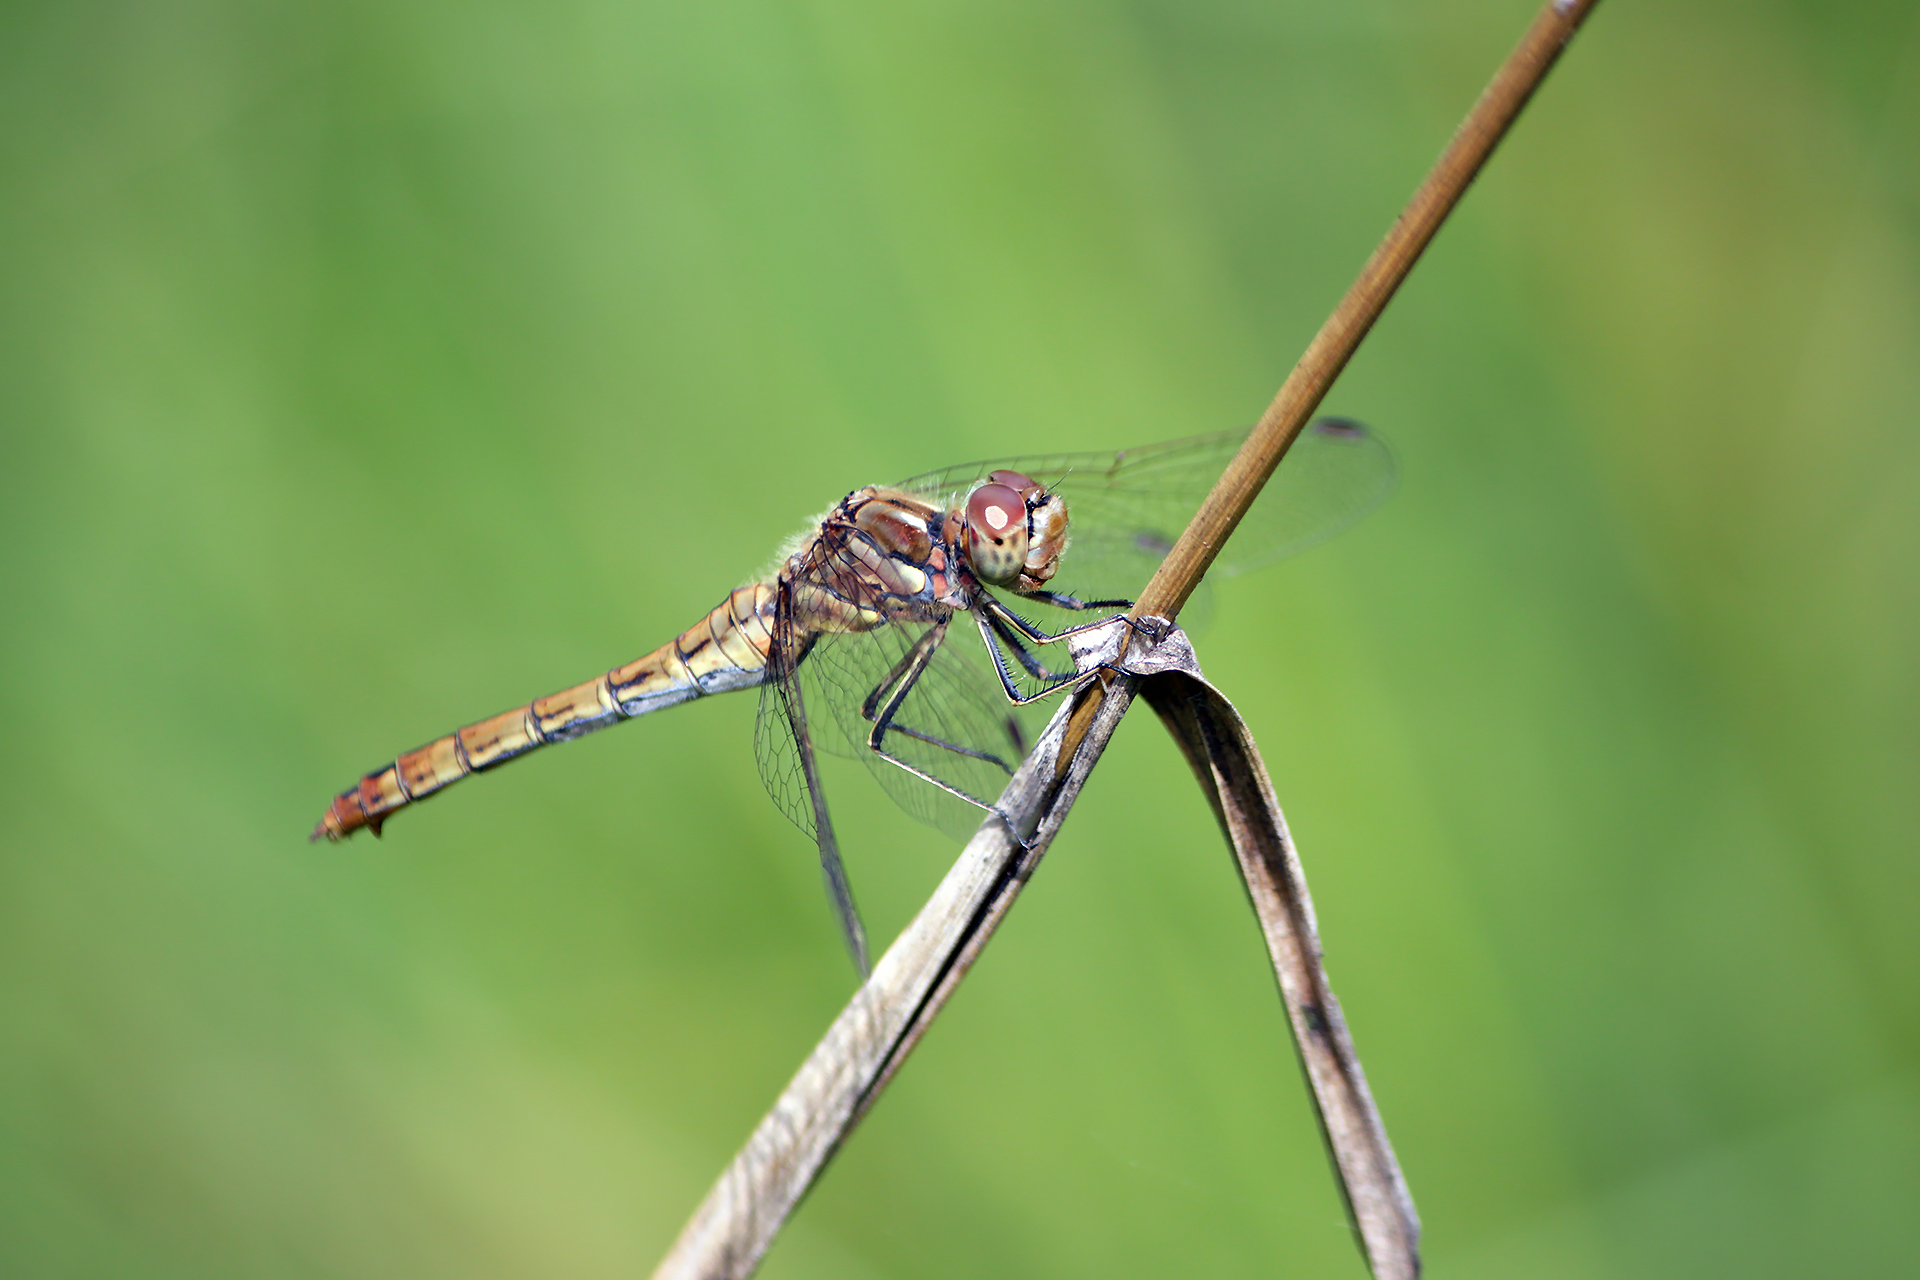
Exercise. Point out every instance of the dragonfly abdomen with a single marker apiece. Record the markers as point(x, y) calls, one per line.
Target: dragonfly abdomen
point(724, 651)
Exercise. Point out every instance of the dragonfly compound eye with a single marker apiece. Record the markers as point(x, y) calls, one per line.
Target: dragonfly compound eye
point(996, 537)
point(1013, 480)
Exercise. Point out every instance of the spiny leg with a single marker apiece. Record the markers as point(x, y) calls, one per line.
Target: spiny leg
point(906, 672)
point(932, 741)
point(1059, 601)
point(1035, 635)
point(884, 703)
point(988, 634)
point(1035, 668)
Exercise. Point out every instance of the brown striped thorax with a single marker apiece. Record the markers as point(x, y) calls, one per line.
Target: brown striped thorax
point(906, 554)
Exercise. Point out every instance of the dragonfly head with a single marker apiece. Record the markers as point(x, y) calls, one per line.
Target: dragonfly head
point(1015, 533)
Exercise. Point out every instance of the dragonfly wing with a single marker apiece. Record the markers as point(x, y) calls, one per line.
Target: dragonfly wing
point(949, 720)
point(1337, 471)
point(1126, 509)
point(783, 745)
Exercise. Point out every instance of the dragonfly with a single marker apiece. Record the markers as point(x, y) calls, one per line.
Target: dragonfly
point(857, 638)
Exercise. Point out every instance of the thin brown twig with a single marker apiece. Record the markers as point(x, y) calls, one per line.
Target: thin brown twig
point(870, 1039)
point(1340, 336)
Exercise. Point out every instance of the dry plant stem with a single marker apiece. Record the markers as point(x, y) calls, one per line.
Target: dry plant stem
point(1334, 345)
point(868, 1041)
point(1225, 759)
point(873, 1036)
point(865, 1045)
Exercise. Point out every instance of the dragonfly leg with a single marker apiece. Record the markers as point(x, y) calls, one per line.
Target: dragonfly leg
point(1059, 601)
point(1035, 668)
point(944, 745)
point(1035, 635)
point(884, 703)
point(894, 689)
point(989, 634)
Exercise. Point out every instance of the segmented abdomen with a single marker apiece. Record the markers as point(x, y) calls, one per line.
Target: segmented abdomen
point(726, 650)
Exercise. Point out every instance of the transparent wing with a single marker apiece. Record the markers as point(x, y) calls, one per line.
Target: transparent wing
point(783, 746)
point(1126, 509)
point(778, 756)
point(944, 714)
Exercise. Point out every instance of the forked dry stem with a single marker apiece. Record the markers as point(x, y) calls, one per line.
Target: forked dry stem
point(870, 1039)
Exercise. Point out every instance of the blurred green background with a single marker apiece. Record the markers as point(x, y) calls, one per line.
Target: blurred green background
point(370, 368)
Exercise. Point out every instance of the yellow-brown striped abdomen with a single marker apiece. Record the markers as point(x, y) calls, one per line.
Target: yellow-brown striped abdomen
point(724, 651)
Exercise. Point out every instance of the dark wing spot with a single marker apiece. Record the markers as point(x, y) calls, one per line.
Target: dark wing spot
point(1152, 542)
point(1339, 428)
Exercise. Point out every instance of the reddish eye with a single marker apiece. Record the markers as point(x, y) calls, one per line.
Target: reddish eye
point(1012, 479)
point(995, 510)
point(996, 537)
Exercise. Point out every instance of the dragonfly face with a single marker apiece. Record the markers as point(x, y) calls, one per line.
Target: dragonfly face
point(997, 535)
point(1016, 531)
point(850, 640)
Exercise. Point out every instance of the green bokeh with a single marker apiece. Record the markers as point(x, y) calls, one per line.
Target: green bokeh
point(366, 369)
